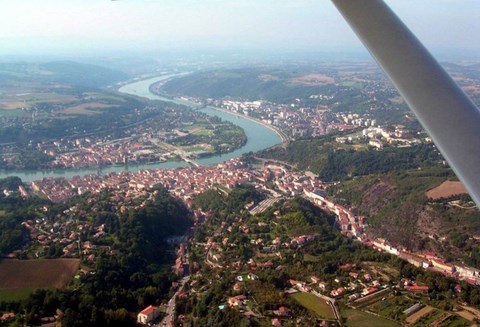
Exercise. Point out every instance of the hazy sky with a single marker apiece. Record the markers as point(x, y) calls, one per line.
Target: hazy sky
point(41, 25)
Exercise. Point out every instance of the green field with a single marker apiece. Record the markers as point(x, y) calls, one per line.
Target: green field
point(203, 132)
point(456, 321)
point(372, 299)
point(310, 258)
point(194, 149)
point(315, 304)
point(355, 147)
point(200, 128)
point(392, 306)
point(357, 318)
point(384, 270)
point(5, 113)
point(353, 84)
point(15, 294)
point(105, 96)
point(439, 315)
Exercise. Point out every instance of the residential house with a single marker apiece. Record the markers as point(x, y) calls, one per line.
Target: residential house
point(236, 300)
point(148, 314)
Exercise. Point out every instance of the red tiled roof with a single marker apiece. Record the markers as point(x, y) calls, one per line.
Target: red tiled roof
point(417, 288)
point(148, 310)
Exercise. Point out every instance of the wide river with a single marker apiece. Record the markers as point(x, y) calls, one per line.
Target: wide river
point(259, 137)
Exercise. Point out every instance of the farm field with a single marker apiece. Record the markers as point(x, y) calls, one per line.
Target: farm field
point(196, 148)
point(455, 321)
point(312, 80)
point(28, 98)
point(24, 274)
point(198, 129)
point(371, 299)
point(315, 304)
point(12, 113)
point(357, 318)
point(103, 96)
point(383, 270)
point(446, 189)
point(469, 313)
point(429, 318)
point(419, 314)
point(86, 108)
point(16, 294)
point(391, 306)
point(440, 318)
point(310, 258)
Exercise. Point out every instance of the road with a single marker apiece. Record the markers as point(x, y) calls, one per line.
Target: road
point(264, 205)
point(170, 312)
point(332, 303)
point(209, 262)
point(178, 151)
point(168, 319)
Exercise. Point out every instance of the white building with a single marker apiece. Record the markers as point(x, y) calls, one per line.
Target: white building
point(376, 143)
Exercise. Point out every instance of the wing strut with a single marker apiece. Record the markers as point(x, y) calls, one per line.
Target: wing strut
point(443, 109)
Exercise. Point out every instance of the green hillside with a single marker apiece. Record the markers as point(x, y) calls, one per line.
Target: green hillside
point(62, 72)
point(252, 84)
point(333, 161)
point(398, 209)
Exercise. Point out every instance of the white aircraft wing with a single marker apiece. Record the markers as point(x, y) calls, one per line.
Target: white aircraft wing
point(443, 109)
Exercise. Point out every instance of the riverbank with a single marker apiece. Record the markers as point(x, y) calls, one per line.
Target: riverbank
point(152, 90)
point(283, 136)
point(259, 135)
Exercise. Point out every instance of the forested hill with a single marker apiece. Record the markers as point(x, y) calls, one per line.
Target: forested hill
point(62, 72)
point(83, 74)
point(13, 210)
point(148, 227)
point(399, 210)
point(253, 84)
point(334, 162)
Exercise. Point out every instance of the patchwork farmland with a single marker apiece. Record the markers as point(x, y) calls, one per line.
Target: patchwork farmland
point(20, 274)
